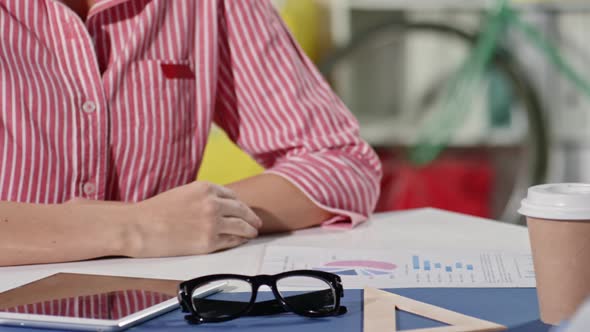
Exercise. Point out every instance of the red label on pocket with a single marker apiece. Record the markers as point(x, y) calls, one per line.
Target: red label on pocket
point(177, 71)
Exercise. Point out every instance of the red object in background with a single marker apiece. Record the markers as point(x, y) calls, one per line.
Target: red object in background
point(449, 183)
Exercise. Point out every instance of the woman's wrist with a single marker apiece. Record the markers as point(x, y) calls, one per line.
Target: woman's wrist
point(115, 224)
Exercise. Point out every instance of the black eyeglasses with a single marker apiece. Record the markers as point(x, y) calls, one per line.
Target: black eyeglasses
point(222, 297)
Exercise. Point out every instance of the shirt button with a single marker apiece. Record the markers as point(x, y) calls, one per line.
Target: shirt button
point(89, 188)
point(89, 107)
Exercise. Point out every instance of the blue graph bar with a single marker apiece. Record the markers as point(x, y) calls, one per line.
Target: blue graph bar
point(428, 265)
point(416, 262)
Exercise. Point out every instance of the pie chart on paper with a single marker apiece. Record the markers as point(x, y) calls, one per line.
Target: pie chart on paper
point(358, 268)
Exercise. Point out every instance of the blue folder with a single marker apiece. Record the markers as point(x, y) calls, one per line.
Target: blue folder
point(515, 308)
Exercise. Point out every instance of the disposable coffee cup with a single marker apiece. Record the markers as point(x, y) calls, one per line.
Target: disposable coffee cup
point(558, 219)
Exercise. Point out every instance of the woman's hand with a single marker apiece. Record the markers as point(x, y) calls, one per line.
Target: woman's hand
point(196, 218)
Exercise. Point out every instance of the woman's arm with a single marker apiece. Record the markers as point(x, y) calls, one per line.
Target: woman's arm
point(280, 205)
point(35, 233)
point(196, 218)
point(277, 107)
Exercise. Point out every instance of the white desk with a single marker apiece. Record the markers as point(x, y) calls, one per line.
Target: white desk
point(424, 228)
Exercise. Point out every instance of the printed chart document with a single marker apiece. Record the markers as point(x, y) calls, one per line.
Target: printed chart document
point(406, 268)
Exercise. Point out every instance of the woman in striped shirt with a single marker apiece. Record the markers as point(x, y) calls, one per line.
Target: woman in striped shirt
point(105, 109)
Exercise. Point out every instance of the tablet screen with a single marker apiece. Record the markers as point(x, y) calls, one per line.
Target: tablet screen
point(87, 296)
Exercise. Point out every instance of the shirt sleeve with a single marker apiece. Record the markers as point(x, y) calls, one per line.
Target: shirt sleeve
point(276, 106)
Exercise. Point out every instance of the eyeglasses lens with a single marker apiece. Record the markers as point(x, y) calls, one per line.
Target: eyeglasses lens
point(221, 299)
point(308, 294)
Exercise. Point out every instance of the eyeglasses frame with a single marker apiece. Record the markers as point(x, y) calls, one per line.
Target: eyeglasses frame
point(186, 288)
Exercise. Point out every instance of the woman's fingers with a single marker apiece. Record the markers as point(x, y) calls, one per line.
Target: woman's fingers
point(223, 192)
point(226, 241)
point(232, 208)
point(237, 226)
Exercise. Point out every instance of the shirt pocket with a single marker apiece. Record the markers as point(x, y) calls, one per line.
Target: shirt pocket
point(162, 95)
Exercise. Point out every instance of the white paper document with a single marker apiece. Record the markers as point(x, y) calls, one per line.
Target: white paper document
point(406, 268)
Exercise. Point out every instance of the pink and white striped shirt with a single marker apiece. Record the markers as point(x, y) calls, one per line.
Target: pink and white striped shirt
point(119, 107)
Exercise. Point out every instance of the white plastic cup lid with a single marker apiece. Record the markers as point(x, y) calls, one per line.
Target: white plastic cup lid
point(560, 201)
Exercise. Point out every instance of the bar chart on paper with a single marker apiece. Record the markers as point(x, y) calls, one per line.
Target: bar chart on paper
point(407, 268)
point(358, 267)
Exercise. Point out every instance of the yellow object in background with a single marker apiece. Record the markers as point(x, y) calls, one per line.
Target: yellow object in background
point(223, 161)
point(303, 19)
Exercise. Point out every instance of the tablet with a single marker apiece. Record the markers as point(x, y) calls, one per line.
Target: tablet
point(86, 302)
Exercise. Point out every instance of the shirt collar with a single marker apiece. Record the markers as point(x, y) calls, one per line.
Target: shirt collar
point(101, 5)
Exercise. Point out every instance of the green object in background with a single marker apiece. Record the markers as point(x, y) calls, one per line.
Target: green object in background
point(437, 130)
point(500, 98)
point(551, 52)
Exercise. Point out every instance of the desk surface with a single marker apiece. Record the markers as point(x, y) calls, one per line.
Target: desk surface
point(514, 308)
point(423, 228)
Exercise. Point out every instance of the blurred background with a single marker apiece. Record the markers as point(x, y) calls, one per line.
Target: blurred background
point(467, 102)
